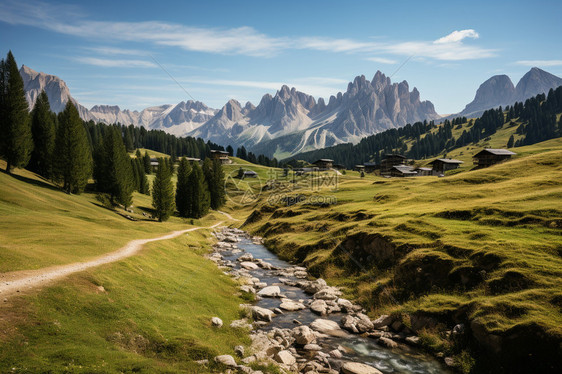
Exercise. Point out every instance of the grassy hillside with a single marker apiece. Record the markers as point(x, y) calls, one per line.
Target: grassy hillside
point(148, 313)
point(480, 247)
point(43, 226)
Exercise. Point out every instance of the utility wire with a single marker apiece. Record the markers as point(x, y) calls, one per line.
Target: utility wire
point(174, 79)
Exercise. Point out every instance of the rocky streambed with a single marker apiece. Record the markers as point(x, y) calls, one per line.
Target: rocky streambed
point(305, 326)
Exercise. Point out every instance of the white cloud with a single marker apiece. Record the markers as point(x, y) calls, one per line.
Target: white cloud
point(115, 63)
point(381, 60)
point(457, 36)
point(234, 41)
point(539, 62)
point(116, 51)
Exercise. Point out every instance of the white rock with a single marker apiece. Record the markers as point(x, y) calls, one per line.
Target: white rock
point(325, 326)
point(291, 306)
point(249, 265)
point(261, 314)
point(227, 360)
point(216, 321)
point(303, 335)
point(319, 307)
point(358, 368)
point(285, 357)
point(270, 291)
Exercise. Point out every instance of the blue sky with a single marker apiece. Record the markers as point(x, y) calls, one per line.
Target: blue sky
point(119, 53)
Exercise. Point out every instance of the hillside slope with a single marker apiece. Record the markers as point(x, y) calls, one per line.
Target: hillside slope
point(481, 248)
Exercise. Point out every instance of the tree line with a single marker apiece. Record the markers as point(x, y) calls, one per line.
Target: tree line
point(69, 151)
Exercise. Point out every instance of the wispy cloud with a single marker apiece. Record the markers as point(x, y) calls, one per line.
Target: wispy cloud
point(457, 36)
point(539, 62)
point(112, 51)
point(381, 60)
point(234, 41)
point(103, 62)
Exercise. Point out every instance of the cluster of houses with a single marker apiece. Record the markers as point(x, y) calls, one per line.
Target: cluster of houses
point(395, 165)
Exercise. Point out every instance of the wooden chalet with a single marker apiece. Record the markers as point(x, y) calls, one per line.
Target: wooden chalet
point(222, 156)
point(441, 165)
point(391, 160)
point(489, 156)
point(370, 167)
point(402, 171)
point(324, 163)
point(359, 168)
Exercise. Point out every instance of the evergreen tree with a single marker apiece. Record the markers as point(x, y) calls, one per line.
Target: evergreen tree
point(72, 161)
point(16, 142)
point(163, 192)
point(198, 192)
point(118, 178)
point(43, 132)
point(230, 150)
point(184, 198)
point(146, 163)
point(510, 141)
point(138, 154)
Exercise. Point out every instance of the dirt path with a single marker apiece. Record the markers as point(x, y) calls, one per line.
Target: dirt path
point(228, 215)
point(24, 280)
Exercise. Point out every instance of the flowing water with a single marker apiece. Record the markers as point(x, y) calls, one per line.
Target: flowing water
point(357, 348)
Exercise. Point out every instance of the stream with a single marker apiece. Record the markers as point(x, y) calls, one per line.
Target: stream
point(353, 347)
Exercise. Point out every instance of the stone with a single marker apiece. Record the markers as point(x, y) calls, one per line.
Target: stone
point(358, 368)
point(327, 294)
point(314, 286)
point(239, 350)
point(261, 314)
point(349, 323)
point(216, 322)
point(363, 323)
point(325, 326)
point(383, 321)
point(245, 257)
point(202, 362)
point(247, 289)
point(312, 347)
point(388, 343)
point(241, 324)
point(249, 265)
point(450, 361)
point(285, 357)
point(336, 353)
point(270, 291)
point(412, 340)
point(227, 360)
point(287, 304)
point(345, 305)
point(319, 307)
point(397, 326)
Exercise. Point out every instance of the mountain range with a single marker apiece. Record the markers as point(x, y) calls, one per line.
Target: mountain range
point(500, 91)
point(291, 121)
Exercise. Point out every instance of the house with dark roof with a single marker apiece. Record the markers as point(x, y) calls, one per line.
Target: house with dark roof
point(391, 160)
point(222, 156)
point(324, 163)
point(441, 165)
point(402, 171)
point(490, 156)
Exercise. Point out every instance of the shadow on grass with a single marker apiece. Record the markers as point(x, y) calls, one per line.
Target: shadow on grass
point(43, 183)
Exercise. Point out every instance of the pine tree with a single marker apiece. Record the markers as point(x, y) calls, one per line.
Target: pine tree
point(184, 198)
point(16, 142)
point(198, 192)
point(138, 154)
point(510, 142)
point(230, 150)
point(118, 179)
point(163, 192)
point(72, 161)
point(146, 163)
point(43, 132)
